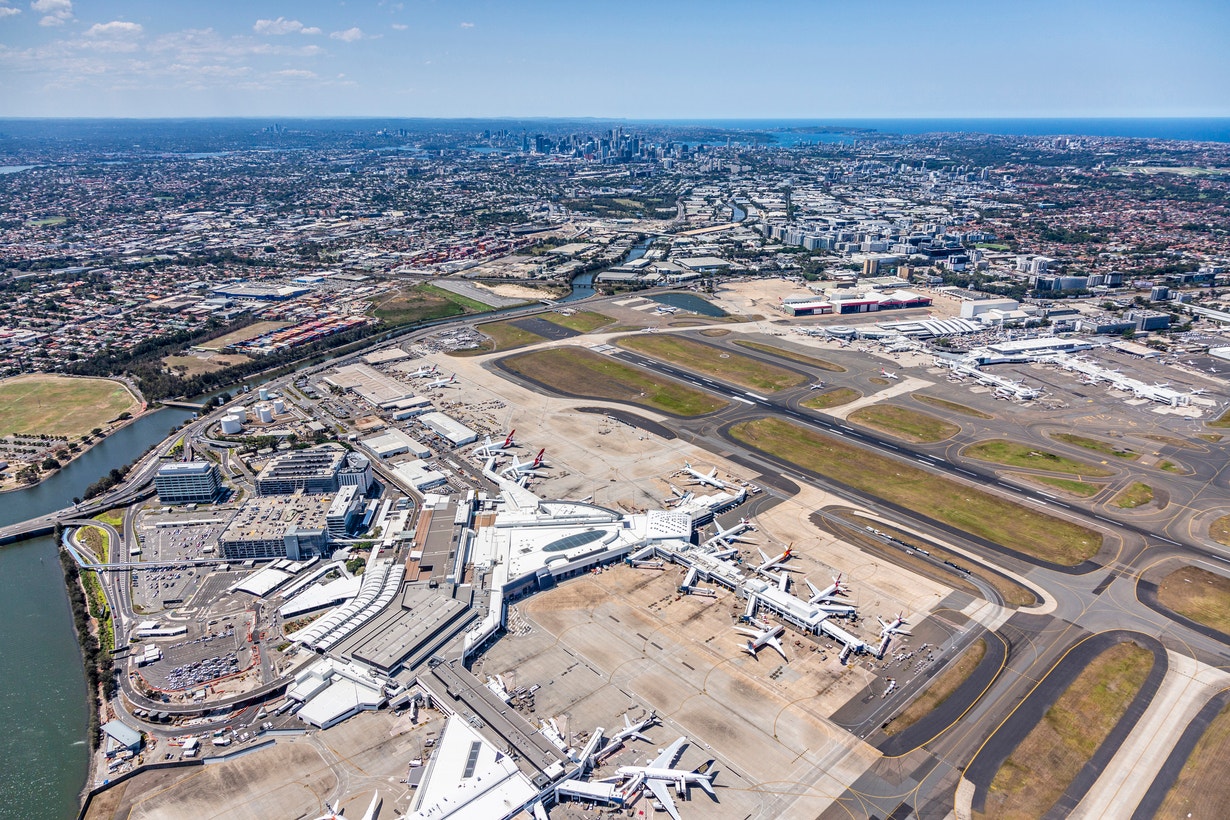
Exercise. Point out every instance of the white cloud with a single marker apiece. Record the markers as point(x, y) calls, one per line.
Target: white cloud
point(57, 12)
point(400, 26)
point(467, 25)
point(116, 28)
point(349, 35)
point(7, 11)
point(296, 74)
point(283, 26)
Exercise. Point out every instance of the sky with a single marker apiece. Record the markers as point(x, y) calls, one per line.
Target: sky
point(646, 59)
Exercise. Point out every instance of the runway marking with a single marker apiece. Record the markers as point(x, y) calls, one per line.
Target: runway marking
point(1167, 540)
point(754, 396)
point(966, 472)
point(1037, 501)
point(745, 401)
point(1100, 518)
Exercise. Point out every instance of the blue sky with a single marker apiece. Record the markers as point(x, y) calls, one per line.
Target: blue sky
point(614, 58)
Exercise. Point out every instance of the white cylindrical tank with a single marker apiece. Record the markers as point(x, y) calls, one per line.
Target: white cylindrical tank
point(279, 406)
point(264, 394)
point(231, 425)
point(240, 413)
point(264, 413)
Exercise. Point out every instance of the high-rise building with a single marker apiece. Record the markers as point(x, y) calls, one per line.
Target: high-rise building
point(188, 482)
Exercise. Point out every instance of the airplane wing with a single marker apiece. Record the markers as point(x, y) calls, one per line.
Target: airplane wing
point(669, 755)
point(662, 793)
point(776, 644)
point(763, 557)
point(815, 592)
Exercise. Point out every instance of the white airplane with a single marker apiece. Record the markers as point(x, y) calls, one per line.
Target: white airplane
point(372, 808)
point(519, 469)
point(829, 593)
point(888, 630)
point(769, 563)
point(633, 731)
point(659, 775)
point(423, 372)
point(760, 638)
point(816, 386)
point(731, 535)
point(888, 375)
point(333, 812)
point(489, 447)
point(680, 497)
point(709, 478)
point(451, 380)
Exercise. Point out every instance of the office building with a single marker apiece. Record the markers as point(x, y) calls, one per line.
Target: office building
point(188, 482)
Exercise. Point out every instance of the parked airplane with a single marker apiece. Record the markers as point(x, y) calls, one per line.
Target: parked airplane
point(679, 496)
point(765, 636)
point(731, 535)
point(423, 372)
point(884, 373)
point(829, 592)
point(888, 630)
point(519, 469)
point(451, 380)
point(490, 448)
point(332, 813)
point(659, 775)
point(633, 731)
point(816, 386)
point(709, 478)
point(769, 563)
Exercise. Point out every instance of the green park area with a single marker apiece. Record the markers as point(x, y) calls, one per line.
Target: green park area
point(698, 357)
point(61, 406)
point(1045, 763)
point(574, 371)
point(422, 303)
point(969, 509)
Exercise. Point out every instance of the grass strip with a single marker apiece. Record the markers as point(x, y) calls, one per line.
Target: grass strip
point(579, 372)
point(940, 690)
point(1095, 445)
point(904, 423)
point(714, 361)
point(1080, 489)
point(832, 398)
point(584, 321)
point(1136, 495)
point(1197, 594)
point(1014, 454)
point(1045, 763)
point(967, 508)
point(1202, 782)
point(1219, 530)
point(801, 358)
point(506, 335)
point(952, 406)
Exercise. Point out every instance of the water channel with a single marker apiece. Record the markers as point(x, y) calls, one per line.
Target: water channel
point(44, 751)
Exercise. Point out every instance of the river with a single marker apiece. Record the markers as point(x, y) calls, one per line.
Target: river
point(583, 283)
point(43, 717)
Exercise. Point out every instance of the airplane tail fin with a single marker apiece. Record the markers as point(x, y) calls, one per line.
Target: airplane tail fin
point(508, 441)
point(538, 458)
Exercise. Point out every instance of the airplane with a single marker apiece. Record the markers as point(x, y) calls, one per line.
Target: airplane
point(372, 807)
point(702, 478)
point(423, 372)
point(829, 592)
point(633, 731)
point(680, 497)
point(888, 375)
point(816, 386)
point(731, 535)
point(451, 380)
point(519, 469)
point(888, 630)
point(659, 775)
point(770, 563)
point(760, 638)
point(333, 812)
point(489, 447)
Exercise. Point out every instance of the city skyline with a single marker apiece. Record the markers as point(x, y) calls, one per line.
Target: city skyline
point(684, 60)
